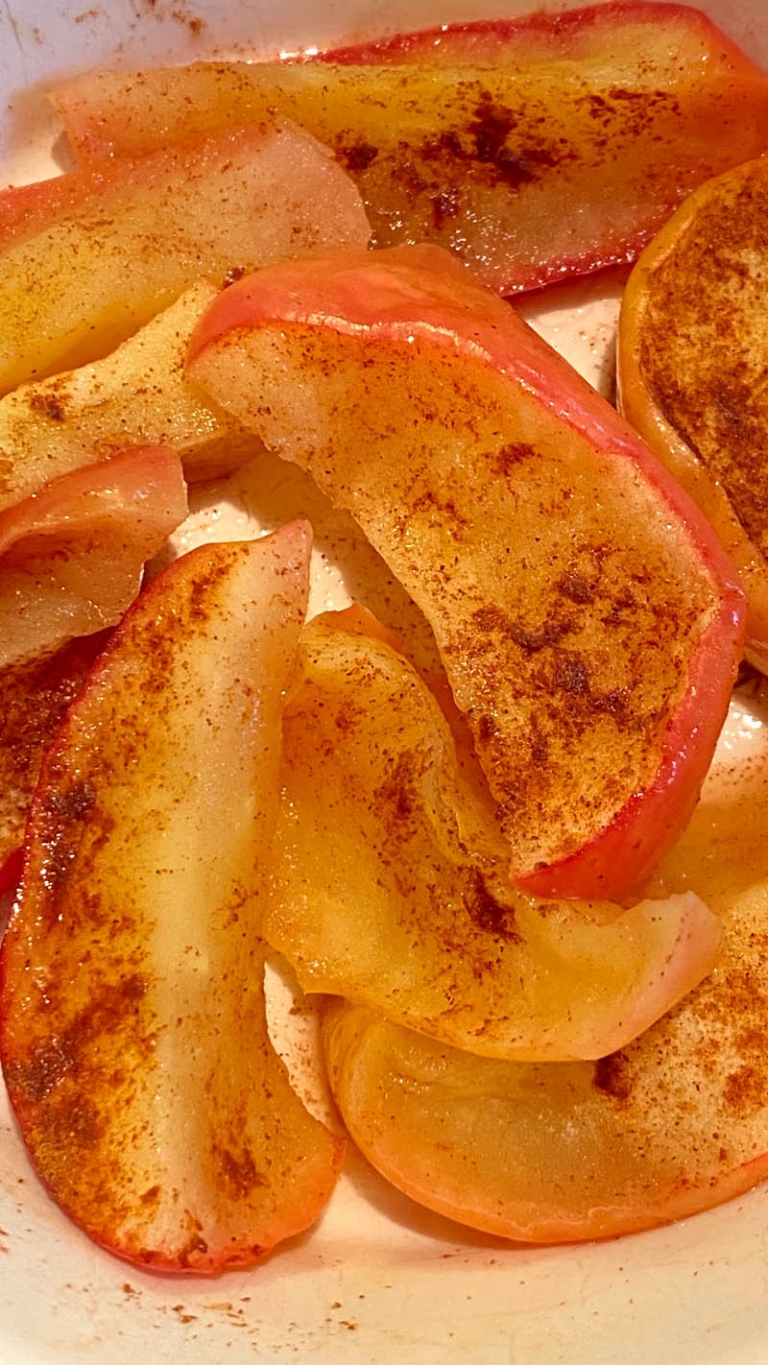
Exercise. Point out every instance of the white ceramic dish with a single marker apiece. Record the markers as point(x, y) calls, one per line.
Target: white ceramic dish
point(378, 1280)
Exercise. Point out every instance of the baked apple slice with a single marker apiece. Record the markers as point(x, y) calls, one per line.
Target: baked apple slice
point(691, 367)
point(87, 258)
point(138, 395)
point(132, 1019)
point(589, 622)
point(533, 148)
point(672, 1124)
point(72, 556)
point(413, 914)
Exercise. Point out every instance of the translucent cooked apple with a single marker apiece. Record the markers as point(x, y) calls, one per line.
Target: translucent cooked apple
point(691, 366)
point(132, 1020)
point(589, 622)
point(533, 148)
point(672, 1124)
point(88, 257)
point(72, 555)
point(413, 913)
point(33, 698)
point(137, 395)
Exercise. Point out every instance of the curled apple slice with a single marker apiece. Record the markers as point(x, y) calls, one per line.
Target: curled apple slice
point(72, 555)
point(534, 148)
point(672, 1124)
point(88, 257)
point(589, 622)
point(413, 913)
point(132, 1021)
point(691, 366)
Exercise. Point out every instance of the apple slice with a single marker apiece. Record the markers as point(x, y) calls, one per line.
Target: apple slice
point(33, 699)
point(691, 367)
point(413, 914)
point(672, 1124)
point(534, 148)
point(72, 555)
point(133, 1028)
point(89, 257)
point(137, 395)
point(589, 622)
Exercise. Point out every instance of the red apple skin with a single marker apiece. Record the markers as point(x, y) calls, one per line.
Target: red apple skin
point(421, 292)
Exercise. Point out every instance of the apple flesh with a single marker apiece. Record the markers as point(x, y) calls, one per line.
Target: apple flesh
point(413, 914)
point(533, 149)
point(72, 556)
point(136, 396)
point(87, 258)
point(132, 1019)
point(672, 1124)
point(589, 622)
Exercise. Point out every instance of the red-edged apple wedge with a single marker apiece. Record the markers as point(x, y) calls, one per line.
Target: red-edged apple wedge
point(33, 699)
point(589, 622)
point(72, 555)
point(413, 914)
point(134, 1037)
point(89, 257)
point(533, 149)
point(137, 395)
point(672, 1124)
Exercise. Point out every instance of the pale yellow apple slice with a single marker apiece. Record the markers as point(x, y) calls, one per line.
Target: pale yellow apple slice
point(693, 334)
point(87, 258)
point(133, 1029)
point(72, 555)
point(672, 1124)
point(137, 395)
point(588, 619)
point(412, 912)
